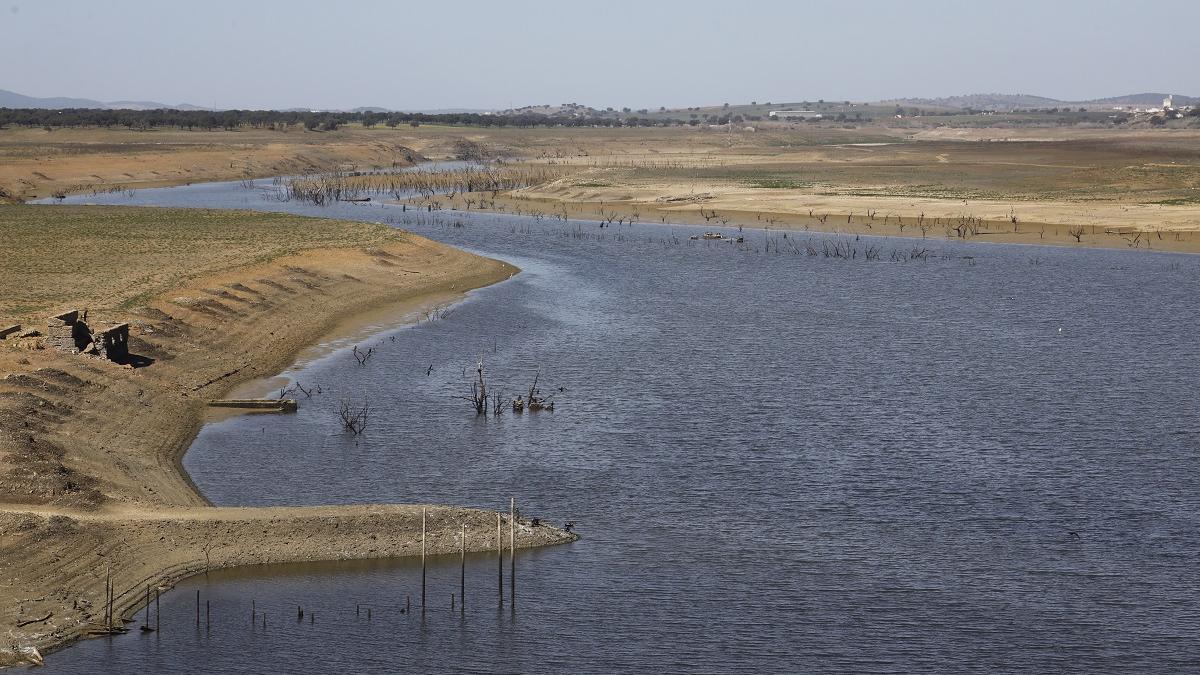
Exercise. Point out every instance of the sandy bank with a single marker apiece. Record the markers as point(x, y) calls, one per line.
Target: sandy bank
point(1116, 226)
point(90, 451)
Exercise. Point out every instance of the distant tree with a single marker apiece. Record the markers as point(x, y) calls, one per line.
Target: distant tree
point(414, 123)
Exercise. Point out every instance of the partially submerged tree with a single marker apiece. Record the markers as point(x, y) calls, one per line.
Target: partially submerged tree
point(354, 416)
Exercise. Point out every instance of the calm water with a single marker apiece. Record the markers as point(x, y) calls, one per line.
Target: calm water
point(777, 463)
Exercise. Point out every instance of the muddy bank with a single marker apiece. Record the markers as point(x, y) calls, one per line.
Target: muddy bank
point(90, 473)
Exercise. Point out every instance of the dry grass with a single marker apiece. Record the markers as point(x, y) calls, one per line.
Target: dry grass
point(36, 163)
point(118, 257)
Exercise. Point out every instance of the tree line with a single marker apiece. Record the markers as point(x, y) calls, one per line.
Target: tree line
point(280, 119)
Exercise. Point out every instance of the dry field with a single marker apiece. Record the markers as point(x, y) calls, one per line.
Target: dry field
point(1072, 186)
point(116, 258)
point(36, 163)
point(90, 450)
point(1110, 188)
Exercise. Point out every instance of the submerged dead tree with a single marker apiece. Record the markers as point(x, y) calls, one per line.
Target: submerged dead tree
point(479, 396)
point(354, 416)
point(534, 400)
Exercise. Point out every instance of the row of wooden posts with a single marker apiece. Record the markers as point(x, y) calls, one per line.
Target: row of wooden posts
point(460, 601)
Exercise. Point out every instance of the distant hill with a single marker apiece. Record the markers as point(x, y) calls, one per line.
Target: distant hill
point(1008, 102)
point(11, 99)
point(1144, 99)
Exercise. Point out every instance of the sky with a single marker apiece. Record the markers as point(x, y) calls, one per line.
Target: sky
point(508, 53)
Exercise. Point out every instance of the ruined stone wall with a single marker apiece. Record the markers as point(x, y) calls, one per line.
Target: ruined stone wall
point(67, 333)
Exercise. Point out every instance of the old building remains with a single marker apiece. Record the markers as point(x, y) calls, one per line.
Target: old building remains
point(69, 332)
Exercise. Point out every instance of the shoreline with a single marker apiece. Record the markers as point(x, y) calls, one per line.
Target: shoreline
point(128, 430)
point(843, 223)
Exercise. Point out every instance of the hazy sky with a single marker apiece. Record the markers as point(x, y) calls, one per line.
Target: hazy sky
point(501, 53)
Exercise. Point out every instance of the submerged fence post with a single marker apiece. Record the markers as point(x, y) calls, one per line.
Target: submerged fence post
point(423, 510)
point(500, 556)
point(197, 608)
point(512, 552)
point(462, 575)
point(157, 612)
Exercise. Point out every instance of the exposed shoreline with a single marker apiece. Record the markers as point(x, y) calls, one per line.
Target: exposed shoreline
point(845, 217)
point(124, 433)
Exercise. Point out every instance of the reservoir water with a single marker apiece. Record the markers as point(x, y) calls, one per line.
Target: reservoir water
point(986, 459)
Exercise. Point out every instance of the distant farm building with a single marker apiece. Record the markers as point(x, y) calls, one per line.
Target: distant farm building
point(795, 114)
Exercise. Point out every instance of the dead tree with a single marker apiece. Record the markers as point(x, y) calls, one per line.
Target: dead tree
point(1076, 232)
point(361, 356)
point(353, 416)
point(478, 397)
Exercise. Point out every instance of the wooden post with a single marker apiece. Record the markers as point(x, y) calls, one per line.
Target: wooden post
point(500, 556)
point(197, 608)
point(422, 559)
point(512, 553)
point(146, 622)
point(407, 604)
point(207, 614)
point(462, 575)
point(108, 598)
point(157, 612)
point(253, 612)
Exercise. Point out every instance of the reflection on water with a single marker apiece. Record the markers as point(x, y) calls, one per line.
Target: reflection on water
point(777, 462)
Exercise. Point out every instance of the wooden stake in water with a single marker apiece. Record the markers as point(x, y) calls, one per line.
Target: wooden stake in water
point(207, 614)
point(157, 612)
point(500, 556)
point(462, 575)
point(422, 559)
point(108, 598)
point(146, 622)
point(512, 552)
point(197, 608)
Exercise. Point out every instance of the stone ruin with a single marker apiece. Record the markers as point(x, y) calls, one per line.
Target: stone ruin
point(69, 332)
